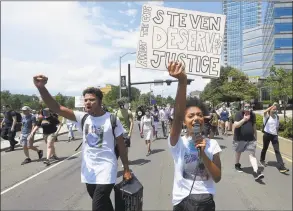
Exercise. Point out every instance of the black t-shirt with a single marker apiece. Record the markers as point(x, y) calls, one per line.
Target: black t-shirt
point(8, 118)
point(139, 114)
point(49, 124)
point(246, 131)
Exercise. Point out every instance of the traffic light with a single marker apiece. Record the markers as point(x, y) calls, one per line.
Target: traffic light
point(189, 81)
point(168, 82)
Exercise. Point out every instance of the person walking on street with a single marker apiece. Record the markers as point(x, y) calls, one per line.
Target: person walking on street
point(8, 132)
point(48, 121)
point(99, 160)
point(147, 129)
point(139, 113)
point(126, 118)
point(164, 120)
point(245, 138)
point(27, 134)
point(197, 159)
point(271, 127)
point(155, 114)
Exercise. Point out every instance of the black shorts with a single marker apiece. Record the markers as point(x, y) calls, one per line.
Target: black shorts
point(196, 202)
point(127, 141)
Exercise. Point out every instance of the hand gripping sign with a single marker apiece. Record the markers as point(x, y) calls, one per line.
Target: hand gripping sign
point(192, 37)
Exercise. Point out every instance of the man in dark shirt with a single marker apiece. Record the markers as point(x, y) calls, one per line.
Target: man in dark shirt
point(8, 130)
point(139, 113)
point(49, 121)
point(245, 137)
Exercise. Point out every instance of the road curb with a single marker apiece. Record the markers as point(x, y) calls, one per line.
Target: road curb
point(37, 140)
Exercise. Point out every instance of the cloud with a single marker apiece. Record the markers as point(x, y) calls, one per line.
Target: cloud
point(158, 3)
point(74, 45)
point(129, 12)
point(56, 39)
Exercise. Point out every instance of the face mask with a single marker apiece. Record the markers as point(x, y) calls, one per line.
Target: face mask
point(147, 113)
point(246, 108)
point(126, 106)
point(121, 106)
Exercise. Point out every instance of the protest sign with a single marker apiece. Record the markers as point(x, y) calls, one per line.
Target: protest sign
point(191, 37)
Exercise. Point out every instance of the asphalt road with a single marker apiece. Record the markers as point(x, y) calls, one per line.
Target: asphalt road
point(36, 187)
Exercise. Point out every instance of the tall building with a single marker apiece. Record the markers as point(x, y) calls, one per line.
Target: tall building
point(278, 36)
point(240, 15)
point(252, 51)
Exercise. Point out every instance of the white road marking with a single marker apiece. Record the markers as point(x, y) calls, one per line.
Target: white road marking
point(37, 174)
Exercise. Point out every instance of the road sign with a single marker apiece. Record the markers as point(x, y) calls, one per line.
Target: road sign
point(123, 82)
point(79, 102)
point(153, 102)
point(158, 82)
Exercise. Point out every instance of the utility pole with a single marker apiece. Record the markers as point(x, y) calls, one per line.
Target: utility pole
point(129, 84)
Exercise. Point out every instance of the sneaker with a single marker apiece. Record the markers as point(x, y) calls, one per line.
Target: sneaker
point(263, 163)
point(258, 175)
point(48, 162)
point(27, 160)
point(54, 157)
point(238, 167)
point(40, 154)
point(283, 169)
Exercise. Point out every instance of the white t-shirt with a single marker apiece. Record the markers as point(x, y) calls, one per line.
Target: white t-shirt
point(99, 162)
point(186, 158)
point(272, 125)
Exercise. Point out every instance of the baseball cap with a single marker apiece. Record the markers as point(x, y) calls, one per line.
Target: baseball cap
point(26, 108)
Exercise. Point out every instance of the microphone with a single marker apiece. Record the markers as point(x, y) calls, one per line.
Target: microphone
point(198, 136)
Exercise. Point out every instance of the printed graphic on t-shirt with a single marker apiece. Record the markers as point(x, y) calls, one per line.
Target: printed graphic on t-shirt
point(192, 165)
point(94, 135)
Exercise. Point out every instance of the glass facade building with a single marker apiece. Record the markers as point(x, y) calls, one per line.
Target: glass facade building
point(278, 36)
point(252, 51)
point(240, 15)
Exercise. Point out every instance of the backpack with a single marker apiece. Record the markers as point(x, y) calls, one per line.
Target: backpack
point(214, 120)
point(113, 119)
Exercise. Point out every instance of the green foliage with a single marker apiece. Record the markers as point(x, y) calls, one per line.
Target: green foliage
point(287, 129)
point(18, 100)
point(259, 122)
point(220, 90)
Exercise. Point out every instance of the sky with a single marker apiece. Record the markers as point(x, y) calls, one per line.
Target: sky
point(78, 44)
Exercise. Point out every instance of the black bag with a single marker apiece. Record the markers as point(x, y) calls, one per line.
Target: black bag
point(129, 195)
point(18, 117)
point(18, 125)
point(113, 124)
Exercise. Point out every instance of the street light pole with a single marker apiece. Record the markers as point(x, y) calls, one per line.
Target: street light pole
point(120, 58)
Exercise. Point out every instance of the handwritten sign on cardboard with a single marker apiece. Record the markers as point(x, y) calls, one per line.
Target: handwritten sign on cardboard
point(191, 37)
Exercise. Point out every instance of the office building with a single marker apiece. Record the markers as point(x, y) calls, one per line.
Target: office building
point(252, 51)
point(278, 36)
point(240, 15)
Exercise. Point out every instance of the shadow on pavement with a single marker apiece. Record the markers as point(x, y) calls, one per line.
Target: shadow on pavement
point(66, 140)
point(223, 147)
point(276, 165)
point(249, 170)
point(154, 151)
point(139, 162)
point(218, 138)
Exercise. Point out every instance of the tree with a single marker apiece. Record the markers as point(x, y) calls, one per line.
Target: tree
point(221, 90)
point(280, 83)
point(70, 102)
point(60, 99)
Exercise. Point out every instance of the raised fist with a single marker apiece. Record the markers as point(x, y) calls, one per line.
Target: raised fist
point(177, 70)
point(40, 81)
